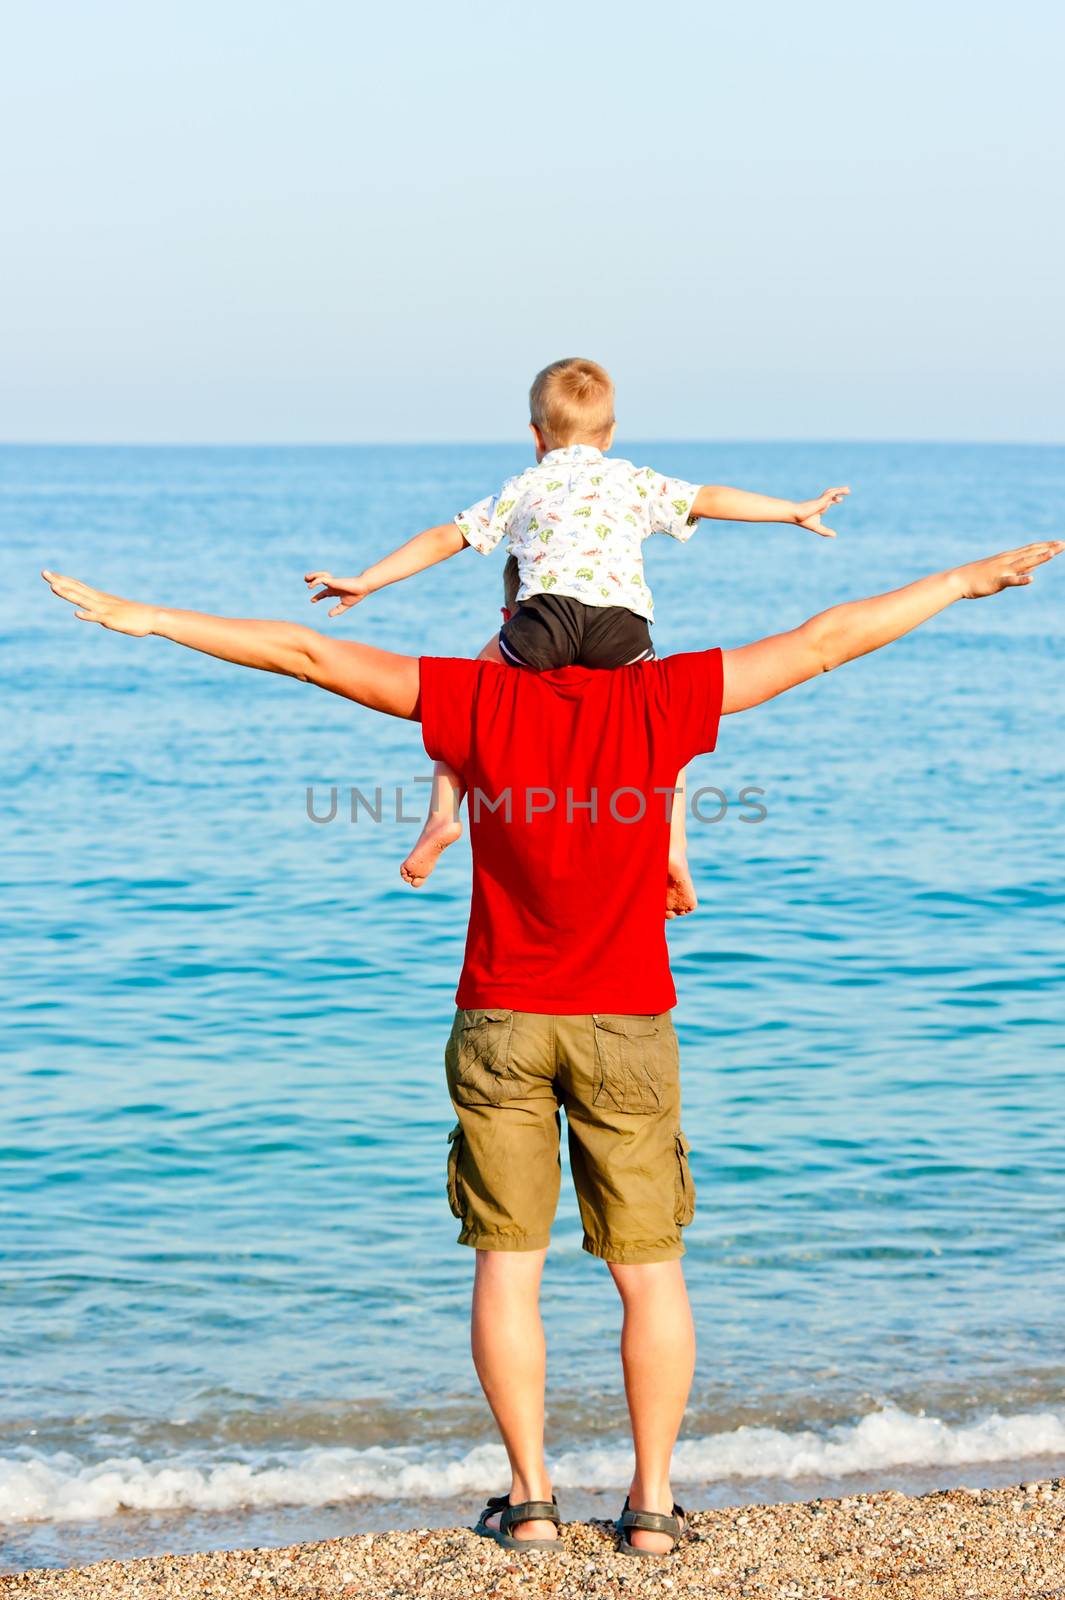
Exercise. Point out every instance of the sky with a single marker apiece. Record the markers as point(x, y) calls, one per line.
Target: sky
point(235, 221)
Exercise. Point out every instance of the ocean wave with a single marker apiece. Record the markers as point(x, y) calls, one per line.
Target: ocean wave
point(58, 1488)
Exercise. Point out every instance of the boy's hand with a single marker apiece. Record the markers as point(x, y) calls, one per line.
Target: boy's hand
point(348, 591)
point(1010, 570)
point(808, 512)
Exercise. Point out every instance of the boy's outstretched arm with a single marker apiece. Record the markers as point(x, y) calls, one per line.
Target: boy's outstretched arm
point(380, 679)
point(424, 550)
point(739, 505)
point(757, 672)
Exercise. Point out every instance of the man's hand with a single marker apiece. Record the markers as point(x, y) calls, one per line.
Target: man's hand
point(348, 591)
point(1010, 570)
point(121, 616)
point(808, 512)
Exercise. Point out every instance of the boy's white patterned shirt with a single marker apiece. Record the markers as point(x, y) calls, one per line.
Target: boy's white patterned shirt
point(576, 523)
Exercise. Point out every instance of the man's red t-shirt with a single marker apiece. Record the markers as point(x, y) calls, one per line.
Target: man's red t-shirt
point(569, 779)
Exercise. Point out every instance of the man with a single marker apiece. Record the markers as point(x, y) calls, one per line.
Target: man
point(565, 991)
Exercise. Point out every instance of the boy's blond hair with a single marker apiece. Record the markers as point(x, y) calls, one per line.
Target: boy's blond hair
point(572, 401)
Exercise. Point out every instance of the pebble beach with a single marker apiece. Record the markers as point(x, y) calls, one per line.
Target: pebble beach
point(962, 1544)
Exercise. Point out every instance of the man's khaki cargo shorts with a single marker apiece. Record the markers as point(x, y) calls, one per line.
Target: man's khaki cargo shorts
point(618, 1080)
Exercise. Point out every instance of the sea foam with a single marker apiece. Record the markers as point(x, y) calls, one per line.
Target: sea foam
point(58, 1487)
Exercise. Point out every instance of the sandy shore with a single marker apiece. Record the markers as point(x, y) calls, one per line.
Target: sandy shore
point(965, 1544)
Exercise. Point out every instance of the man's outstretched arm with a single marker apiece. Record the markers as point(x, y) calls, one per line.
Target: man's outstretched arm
point(379, 679)
point(757, 672)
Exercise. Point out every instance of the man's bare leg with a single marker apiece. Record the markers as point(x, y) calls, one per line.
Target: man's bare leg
point(680, 890)
point(658, 1357)
point(442, 826)
point(510, 1354)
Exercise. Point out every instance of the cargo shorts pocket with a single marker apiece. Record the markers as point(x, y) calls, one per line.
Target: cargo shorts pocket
point(685, 1206)
point(479, 1066)
point(630, 1059)
point(456, 1196)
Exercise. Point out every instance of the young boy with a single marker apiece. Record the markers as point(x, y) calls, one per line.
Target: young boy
point(575, 525)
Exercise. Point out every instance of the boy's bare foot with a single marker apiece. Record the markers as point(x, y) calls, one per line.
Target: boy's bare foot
point(680, 890)
point(433, 840)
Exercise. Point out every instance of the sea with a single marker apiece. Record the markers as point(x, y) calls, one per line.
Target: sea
point(232, 1308)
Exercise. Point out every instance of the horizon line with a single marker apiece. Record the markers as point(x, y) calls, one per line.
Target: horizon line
point(466, 444)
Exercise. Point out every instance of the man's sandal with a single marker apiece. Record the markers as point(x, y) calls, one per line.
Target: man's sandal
point(650, 1522)
point(527, 1511)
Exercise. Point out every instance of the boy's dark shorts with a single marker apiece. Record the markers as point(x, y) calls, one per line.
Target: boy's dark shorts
point(618, 1079)
point(554, 630)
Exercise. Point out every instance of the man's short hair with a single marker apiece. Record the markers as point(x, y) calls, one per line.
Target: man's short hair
point(573, 400)
point(511, 583)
